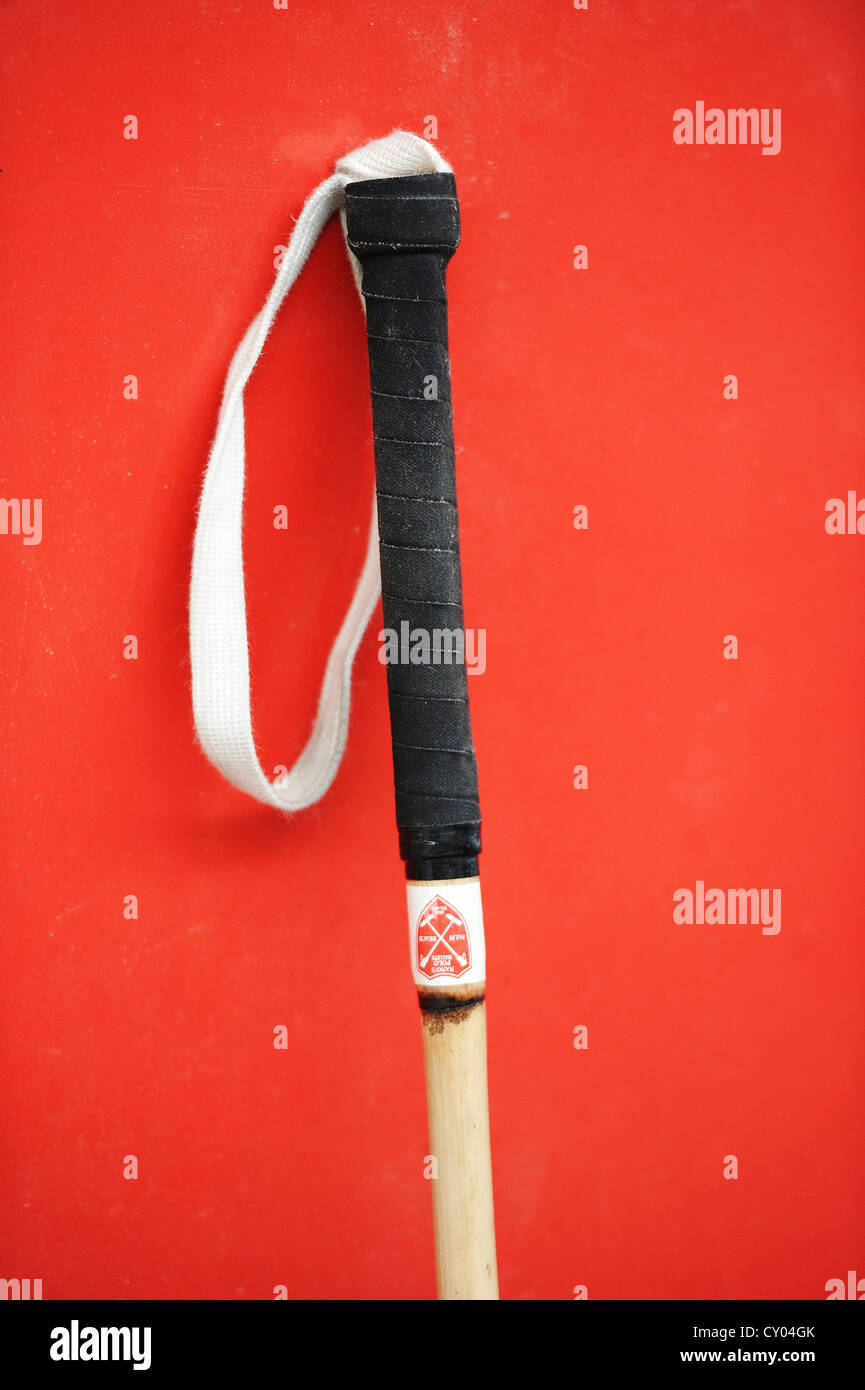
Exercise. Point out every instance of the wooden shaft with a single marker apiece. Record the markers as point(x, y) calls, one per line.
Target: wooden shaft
point(455, 1063)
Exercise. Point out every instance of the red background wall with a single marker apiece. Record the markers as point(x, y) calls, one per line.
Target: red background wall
point(153, 1037)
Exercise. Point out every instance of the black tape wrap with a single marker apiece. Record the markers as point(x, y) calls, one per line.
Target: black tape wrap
point(403, 231)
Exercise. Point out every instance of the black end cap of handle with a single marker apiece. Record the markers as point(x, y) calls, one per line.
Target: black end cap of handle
point(415, 212)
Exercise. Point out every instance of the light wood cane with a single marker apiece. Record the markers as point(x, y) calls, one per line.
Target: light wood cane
point(455, 1062)
point(403, 231)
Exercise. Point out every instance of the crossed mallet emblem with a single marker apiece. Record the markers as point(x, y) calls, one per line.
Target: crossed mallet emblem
point(436, 910)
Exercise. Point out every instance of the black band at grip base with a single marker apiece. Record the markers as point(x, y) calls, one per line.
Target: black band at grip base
point(403, 231)
point(448, 852)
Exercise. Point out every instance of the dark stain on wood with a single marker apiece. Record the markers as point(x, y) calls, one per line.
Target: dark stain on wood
point(441, 1010)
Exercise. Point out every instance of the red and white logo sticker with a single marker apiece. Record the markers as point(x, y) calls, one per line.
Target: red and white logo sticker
point(447, 932)
point(443, 946)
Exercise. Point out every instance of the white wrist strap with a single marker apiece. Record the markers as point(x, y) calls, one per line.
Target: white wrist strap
point(218, 643)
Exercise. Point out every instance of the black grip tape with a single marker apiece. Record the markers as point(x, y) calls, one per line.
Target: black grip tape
point(403, 231)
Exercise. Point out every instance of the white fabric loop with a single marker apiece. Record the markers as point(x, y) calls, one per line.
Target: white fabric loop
point(218, 643)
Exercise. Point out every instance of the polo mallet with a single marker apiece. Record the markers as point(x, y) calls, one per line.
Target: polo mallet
point(401, 218)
